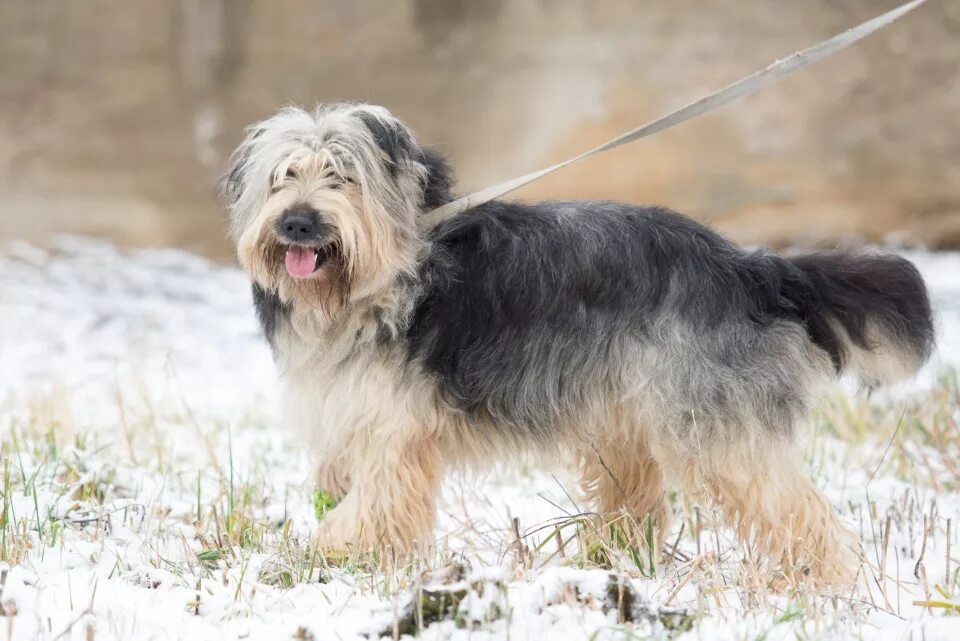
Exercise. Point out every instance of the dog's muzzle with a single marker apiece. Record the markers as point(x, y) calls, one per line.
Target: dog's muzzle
point(307, 238)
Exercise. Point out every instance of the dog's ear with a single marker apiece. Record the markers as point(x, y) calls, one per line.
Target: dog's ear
point(398, 144)
point(438, 181)
point(231, 185)
point(391, 136)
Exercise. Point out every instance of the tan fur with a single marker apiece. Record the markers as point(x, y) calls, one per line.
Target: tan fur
point(769, 501)
point(379, 449)
point(626, 485)
point(766, 498)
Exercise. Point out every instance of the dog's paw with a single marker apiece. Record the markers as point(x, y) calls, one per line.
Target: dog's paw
point(340, 528)
point(332, 546)
point(329, 549)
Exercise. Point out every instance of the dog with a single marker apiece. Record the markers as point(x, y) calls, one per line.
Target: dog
point(651, 350)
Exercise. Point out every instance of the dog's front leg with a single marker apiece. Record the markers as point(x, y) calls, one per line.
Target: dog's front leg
point(332, 476)
point(394, 481)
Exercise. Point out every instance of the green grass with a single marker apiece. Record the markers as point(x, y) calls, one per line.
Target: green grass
point(59, 482)
point(323, 502)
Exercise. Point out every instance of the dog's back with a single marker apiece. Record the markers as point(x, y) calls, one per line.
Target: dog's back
point(531, 310)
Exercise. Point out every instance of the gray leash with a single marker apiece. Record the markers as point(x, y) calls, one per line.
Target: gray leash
point(754, 82)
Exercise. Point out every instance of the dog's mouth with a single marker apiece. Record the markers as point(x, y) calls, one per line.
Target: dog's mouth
point(304, 262)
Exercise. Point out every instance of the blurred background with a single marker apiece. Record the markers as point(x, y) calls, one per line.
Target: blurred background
point(117, 117)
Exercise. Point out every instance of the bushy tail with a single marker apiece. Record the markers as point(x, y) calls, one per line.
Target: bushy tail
point(869, 312)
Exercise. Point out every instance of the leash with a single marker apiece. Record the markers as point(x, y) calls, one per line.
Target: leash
point(754, 82)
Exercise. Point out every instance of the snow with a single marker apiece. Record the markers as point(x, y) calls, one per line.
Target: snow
point(135, 389)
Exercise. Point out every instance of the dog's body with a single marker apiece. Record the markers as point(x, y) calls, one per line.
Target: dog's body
point(642, 343)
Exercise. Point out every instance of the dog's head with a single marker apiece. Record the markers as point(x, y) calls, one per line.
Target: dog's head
point(324, 204)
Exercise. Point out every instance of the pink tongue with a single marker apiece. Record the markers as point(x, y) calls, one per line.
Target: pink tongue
point(300, 261)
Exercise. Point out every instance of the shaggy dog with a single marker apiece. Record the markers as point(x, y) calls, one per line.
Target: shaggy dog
point(639, 342)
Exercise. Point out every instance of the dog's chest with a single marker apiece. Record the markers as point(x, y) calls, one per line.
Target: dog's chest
point(335, 400)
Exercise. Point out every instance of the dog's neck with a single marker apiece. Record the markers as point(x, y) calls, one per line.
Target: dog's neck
point(310, 333)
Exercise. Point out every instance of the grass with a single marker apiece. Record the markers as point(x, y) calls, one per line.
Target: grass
point(200, 508)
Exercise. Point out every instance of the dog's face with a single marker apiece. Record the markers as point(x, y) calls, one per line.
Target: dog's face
point(324, 204)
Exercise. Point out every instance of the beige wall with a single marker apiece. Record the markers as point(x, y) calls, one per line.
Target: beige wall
point(116, 116)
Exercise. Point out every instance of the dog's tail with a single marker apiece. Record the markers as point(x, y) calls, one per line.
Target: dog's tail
point(869, 312)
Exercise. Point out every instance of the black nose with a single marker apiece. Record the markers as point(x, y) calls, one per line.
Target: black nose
point(301, 225)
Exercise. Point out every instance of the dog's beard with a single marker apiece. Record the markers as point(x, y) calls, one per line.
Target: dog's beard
point(310, 279)
point(323, 289)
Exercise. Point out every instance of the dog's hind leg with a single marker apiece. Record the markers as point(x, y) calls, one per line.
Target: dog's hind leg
point(772, 504)
point(625, 484)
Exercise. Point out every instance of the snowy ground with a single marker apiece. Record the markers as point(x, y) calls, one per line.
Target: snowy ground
point(150, 492)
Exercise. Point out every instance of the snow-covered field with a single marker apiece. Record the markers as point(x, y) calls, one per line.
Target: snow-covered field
point(150, 491)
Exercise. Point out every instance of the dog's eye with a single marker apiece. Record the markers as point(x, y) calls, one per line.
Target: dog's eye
point(279, 184)
point(339, 182)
